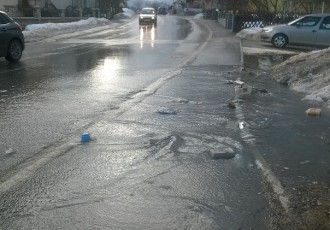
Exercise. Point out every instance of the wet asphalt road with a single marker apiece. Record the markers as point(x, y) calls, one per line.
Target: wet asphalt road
point(155, 103)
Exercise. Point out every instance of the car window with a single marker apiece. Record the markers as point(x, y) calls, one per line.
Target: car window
point(307, 21)
point(325, 25)
point(147, 11)
point(3, 19)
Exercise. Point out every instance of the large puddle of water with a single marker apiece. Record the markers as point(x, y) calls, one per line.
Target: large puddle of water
point(296, 146)
point(263, 62)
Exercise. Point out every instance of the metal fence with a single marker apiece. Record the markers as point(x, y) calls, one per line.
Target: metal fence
point(294, 9)
point(39, 15)
point(237, 22)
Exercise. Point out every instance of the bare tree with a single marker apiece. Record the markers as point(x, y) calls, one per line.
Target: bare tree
point(309, 6)
point(233, 5)
point(266, 6)
point(115, 5)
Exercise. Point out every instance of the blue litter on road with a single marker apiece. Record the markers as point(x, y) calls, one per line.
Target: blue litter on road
point(85, 137)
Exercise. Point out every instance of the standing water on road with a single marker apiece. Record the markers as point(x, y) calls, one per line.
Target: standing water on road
point(296, 144)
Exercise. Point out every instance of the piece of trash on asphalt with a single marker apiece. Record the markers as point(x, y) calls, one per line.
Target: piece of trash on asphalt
point(313, 111)
point(9, 151)
point(166, 111)
point(305, 162)
point(238, 82)
point(232, 105)
point(259, 90)
point(238, 101)
point(241, 125)
point(181, 100)
point(230, 82)
point(243, 90)
point(226, 153)
point(85, 137)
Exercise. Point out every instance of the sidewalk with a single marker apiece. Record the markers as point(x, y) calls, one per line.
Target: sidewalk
point(223, 47)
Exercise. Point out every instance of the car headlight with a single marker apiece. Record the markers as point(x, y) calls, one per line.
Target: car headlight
point(267, 30)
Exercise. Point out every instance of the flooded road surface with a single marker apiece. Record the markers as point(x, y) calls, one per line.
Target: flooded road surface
point(151, 168)
point(166, 150)
point(61, 86)
point(297, 142)
point(296, 146)
point(154, 101)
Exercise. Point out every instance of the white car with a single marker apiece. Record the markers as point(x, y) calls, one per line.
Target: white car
point(148, 16)
point(310, 30)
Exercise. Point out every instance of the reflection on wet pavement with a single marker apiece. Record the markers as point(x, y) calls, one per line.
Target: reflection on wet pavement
point(263, 62)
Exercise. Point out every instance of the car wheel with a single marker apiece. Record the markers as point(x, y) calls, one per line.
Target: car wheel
point(15, 51)
point(280, 40)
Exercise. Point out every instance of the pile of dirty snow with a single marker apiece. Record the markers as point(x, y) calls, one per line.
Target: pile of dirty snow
point(38, 32)
point(126, 14)
point(308, 73)
point(200, 15)
point(35, 32)
point(252, 33)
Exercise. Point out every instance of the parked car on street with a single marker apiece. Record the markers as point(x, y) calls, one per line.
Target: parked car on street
point(310, 30)
point(11, 38)
point(148, 16)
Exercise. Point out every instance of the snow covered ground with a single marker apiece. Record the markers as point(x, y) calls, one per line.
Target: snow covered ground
point(306, 72)
point(38, 32)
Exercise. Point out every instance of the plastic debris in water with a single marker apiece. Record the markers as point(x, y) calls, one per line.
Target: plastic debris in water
point(313, 111)
point(9, 151)
point(85, 137)
point(227, 153)
point(241, 125)
point(166, 111)
point(238, 82)
point(231, 105)
point(260, 90)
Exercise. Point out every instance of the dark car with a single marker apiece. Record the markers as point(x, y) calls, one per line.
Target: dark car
point(11, 38)
point(310, 30)
point(148, 16)
point(162, 10)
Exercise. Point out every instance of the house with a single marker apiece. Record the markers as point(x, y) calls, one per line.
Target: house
point(53, 7)
point(5, 5)
point(59, 8)
point(59, 4)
